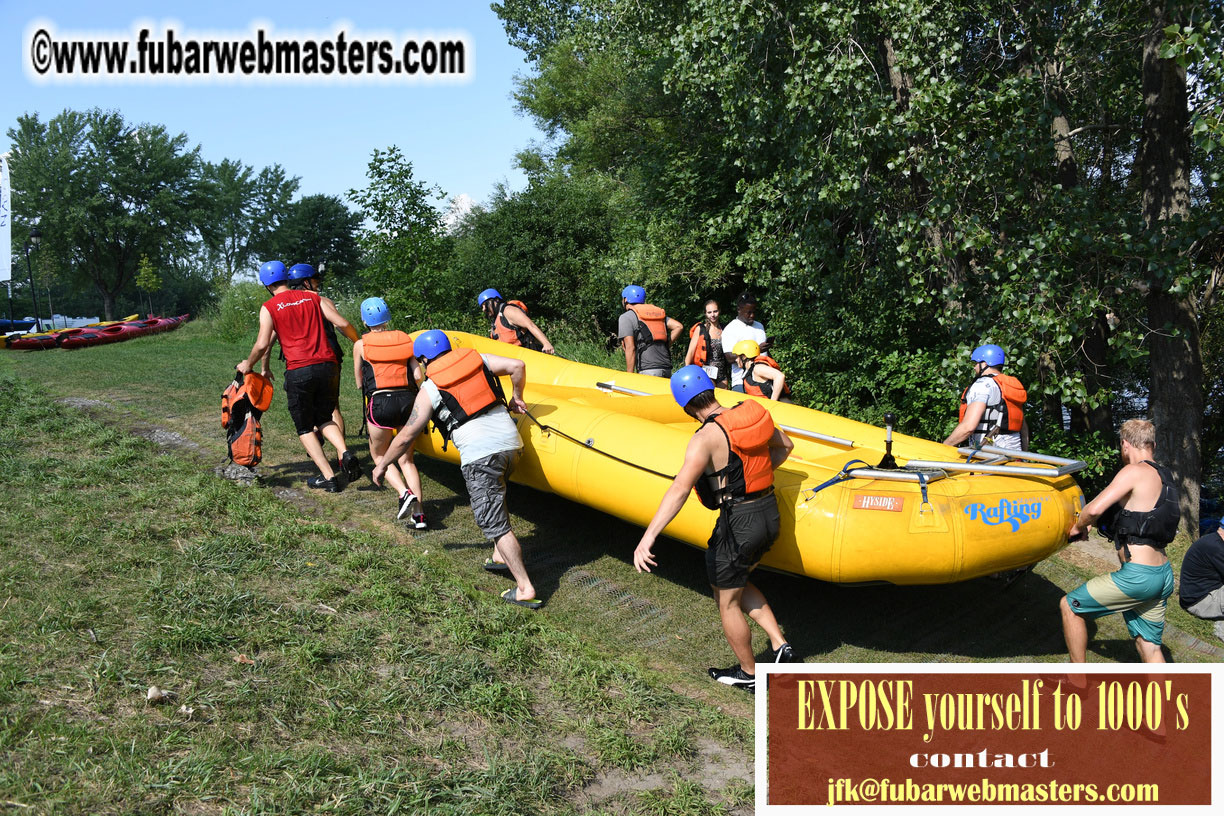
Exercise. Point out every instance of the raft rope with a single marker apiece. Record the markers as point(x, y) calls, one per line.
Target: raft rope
point(547, 429)
point(986, 437)
point(841, 476)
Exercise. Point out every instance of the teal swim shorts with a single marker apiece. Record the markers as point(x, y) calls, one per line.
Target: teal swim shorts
point(1138, 591)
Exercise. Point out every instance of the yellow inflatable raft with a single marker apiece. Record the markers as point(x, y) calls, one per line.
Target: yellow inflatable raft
point(612, 440)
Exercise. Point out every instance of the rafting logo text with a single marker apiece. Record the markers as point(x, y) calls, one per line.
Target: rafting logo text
point(1010, 512)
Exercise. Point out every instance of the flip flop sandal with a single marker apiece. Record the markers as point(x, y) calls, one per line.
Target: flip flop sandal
point(496, 566)
point(511, 596)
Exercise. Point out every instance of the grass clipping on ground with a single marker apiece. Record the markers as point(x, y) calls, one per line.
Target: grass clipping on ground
point(305, 667)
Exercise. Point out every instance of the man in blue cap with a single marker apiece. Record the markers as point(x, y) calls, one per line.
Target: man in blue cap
point(992, 407)
point(312, 373)
point(730, 462)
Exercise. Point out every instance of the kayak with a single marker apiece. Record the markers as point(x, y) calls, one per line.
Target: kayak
point(96, 334)
point(612, 441)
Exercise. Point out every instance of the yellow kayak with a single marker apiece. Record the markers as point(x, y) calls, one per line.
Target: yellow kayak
point(45, 332)
point(612, 441)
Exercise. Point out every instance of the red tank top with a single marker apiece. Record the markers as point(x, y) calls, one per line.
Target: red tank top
point(299, 320)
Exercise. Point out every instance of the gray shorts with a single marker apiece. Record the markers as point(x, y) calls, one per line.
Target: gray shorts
point(1209, 608)
point(486, 484)
point(656, 372)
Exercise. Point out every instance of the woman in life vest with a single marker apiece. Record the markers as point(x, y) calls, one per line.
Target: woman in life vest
point(509, 323)
point(387, 374)
point(705, 346)
point(762, 377)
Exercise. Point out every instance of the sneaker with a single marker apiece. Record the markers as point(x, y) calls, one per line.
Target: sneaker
point(326, 485)
point(418, 521)
point(406, 503)
point(735, 676)
point(350, 465)
point(783, 654)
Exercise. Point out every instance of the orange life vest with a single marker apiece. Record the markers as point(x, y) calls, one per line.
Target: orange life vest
point(242, 405)
point(652, 324)
point(702, 353)
point(385, 365)
point(506, 332)
point(748, 428)
point(467, 387)
point(762, 388)
point(1012, 405)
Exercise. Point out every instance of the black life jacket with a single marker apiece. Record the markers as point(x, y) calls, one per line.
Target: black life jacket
point(749, 471)
point(1155, 527)
point(332, 340)
point(467, 387)
point(507, 332)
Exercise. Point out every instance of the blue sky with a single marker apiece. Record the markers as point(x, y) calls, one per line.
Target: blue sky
point(462, 137)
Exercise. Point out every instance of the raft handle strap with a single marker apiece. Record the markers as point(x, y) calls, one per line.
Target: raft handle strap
point(842, 475)
point(547, 429)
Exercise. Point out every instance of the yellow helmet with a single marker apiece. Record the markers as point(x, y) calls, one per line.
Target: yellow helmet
point(748, 348)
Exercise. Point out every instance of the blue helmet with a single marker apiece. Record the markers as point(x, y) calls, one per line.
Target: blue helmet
point(301, 271)
point(374, 311)
point(487, 294)
point(991, 355)
point(430, 344)
point(272, 272)
point(688, 382)
point(634, 294)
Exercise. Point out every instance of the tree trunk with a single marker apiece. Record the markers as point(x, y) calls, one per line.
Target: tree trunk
point(108, 304)
point(1051, 402)
point(1094, 343)
point(1176, 396)
point(1095, 346)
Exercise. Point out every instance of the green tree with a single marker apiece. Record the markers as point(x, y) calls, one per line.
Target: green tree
point(244, 212)
point(319, 230)
point(905, 179)
point(404, 243)
point(105, 193)
point(547, 245)
point(147, 279)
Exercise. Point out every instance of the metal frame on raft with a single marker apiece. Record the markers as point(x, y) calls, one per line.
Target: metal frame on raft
point(1061, 467)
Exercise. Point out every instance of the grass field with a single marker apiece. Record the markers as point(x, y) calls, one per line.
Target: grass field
point(320, 657)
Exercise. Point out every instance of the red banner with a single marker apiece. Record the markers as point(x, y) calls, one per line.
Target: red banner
point(987, 738)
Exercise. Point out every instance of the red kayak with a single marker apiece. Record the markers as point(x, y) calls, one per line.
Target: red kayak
point(34, 343)
point(77, 338)
point(96, 335)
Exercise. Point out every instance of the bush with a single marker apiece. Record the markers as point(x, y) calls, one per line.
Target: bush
point(236, 316)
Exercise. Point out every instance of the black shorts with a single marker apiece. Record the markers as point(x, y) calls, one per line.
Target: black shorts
point(391, 409)
point(741, 537)
point(311, 392)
